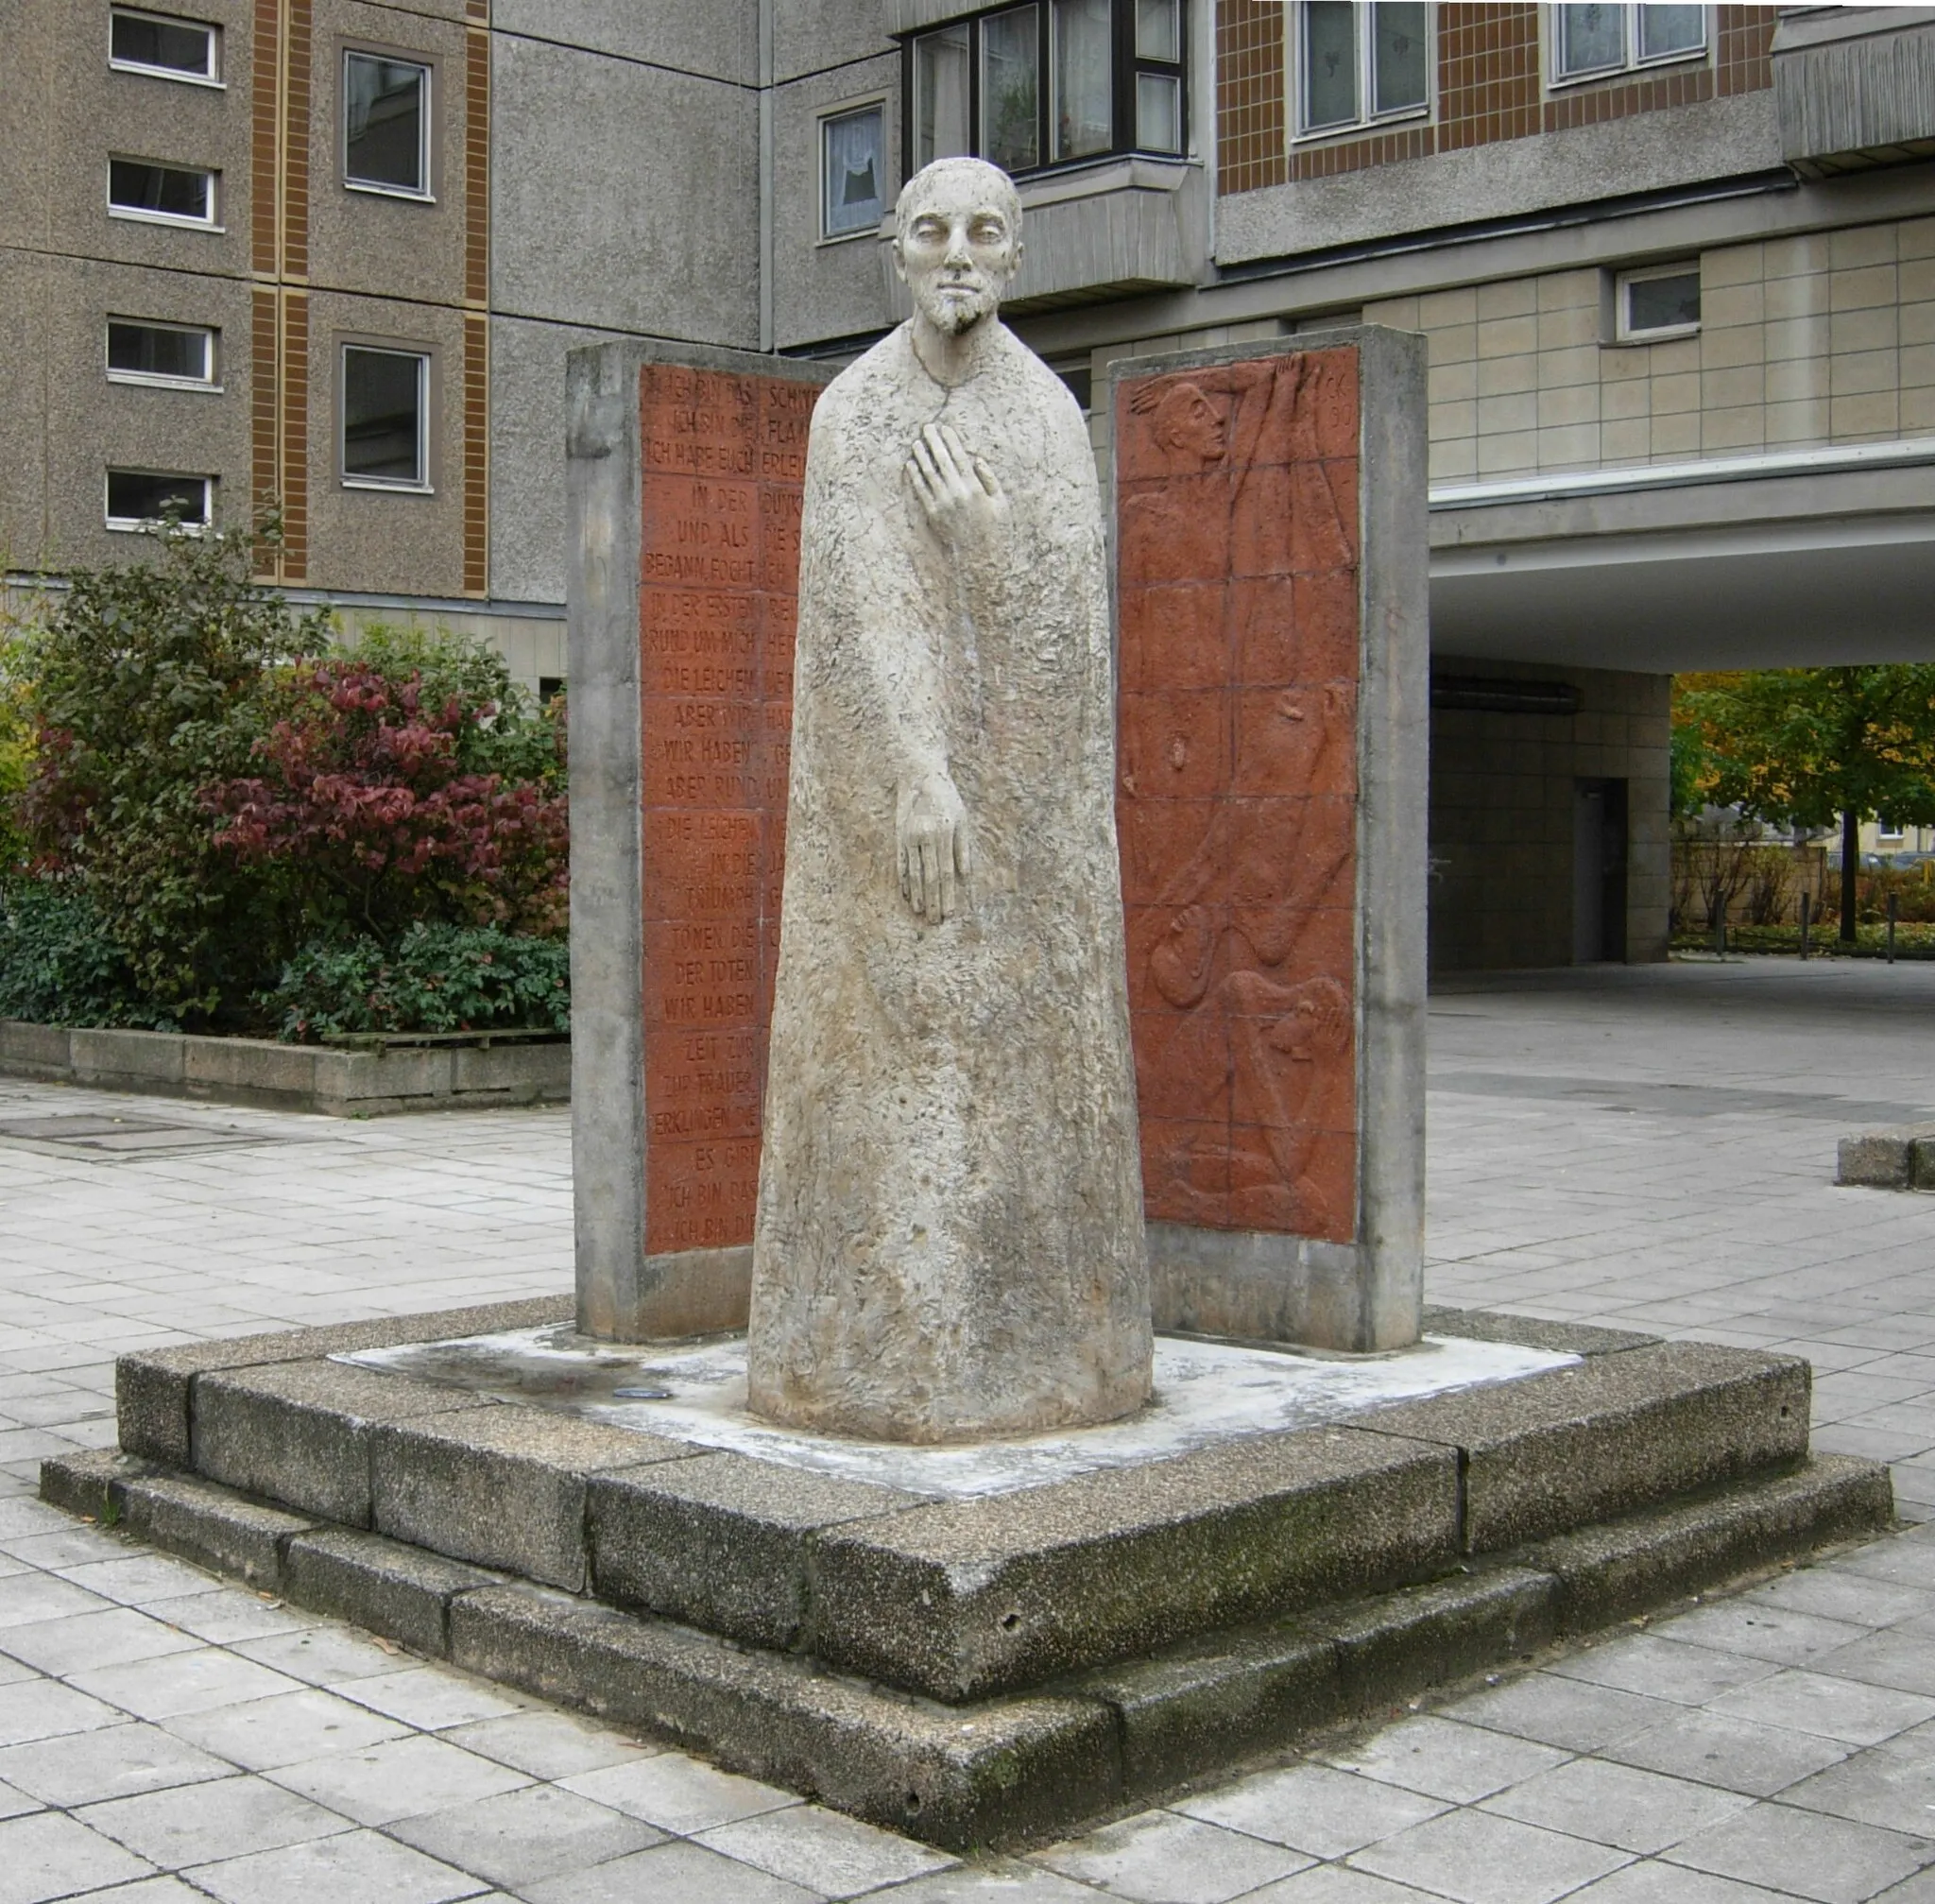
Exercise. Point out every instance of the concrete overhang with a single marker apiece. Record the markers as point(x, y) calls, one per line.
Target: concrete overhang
point(1801, 558)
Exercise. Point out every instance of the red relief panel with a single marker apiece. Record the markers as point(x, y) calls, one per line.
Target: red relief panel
point(1236, 776)
point(725, 458)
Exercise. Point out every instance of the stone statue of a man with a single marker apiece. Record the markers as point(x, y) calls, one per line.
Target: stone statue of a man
point(950, 1234)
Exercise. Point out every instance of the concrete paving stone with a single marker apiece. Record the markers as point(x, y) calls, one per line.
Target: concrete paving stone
point(520, 1837)
point(1161, 1857)
point(687, 1872)
point(12, 1671)
point(49, 1856)
point(548, 1745)
point(824, 1850)
point(1805, 1853)
point(354, 1867)
point(71, 1546)
point(1858, 1600)
point(1658, 1665)
point(1313, 1808)
point(1617, 1805)
point(1336, 1884)
point(205, 1823)
point(45, 1709)
point(1899, 1656)
point(1892, 1786)
point(1737, 1755)
point(431, 1697)
point(1575, 1715)
point(1649, 1883)
point(1760, 1631)
point(233, 1612)
point(262, 1735)
point(1444, 1759)
point(398, 1779)
point(1000, 1880)
point(112, 1761)
point(110, 1639)
point(148, 1890)
point(141, 1579)
point(326, 1656)
point(182, 1682)
point(28, 1598)
point(1836, 1708)
point(1478, 1859)
point(678, 1794)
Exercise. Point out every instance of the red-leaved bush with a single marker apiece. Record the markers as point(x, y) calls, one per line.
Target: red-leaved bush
point(379, 803)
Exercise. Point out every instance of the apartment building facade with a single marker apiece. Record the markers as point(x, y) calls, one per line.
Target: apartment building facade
point(1676, 265)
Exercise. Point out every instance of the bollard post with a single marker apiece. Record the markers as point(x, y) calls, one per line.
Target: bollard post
point(1893, 906)
point(1806, 900)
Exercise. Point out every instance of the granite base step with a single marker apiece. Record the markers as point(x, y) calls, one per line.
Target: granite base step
point(983, 1669)
point(1019, 1767)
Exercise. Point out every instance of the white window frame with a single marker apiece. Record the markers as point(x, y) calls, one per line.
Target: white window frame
point(425, 145)
point(151, 380)
point(1397, 115)
point(1631, 60)
point(876, 103)
point(390, 486)
point(212, 78)
point(1622, 326)
point(139, 216)
point(135, 525)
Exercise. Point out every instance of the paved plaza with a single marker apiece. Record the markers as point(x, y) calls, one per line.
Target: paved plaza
point(1652, 1148)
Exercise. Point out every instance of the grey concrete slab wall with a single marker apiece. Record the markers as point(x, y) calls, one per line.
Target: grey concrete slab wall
point(25, 103)
point(368, 242)
point(624, 195)
point(827, 288)
point(1502, 816)
point(25, 298)
point(1252, 623)
point(626, 1291)
point(527, 436)
point(718, 38)
point(95, 425)
point(816, 35)
point(386, 540)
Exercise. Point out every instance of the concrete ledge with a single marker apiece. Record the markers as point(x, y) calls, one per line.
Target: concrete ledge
point(270, 1075)
point(1900, 1158)
point(1008, 1770)
point(1611, 1435)
point(152, 1387)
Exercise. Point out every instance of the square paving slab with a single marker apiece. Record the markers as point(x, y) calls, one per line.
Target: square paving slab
point(1205, 1393)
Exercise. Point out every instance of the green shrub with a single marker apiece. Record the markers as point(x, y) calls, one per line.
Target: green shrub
point(437, 978)
point(59, 964)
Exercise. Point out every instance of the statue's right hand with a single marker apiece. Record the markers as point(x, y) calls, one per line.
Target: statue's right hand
point(931, 834)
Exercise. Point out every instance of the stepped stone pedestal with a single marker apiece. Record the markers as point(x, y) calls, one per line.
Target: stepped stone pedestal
point(988, 1661)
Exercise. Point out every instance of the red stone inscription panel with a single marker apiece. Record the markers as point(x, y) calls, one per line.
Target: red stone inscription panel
point(1236, 539)
point(725, 458)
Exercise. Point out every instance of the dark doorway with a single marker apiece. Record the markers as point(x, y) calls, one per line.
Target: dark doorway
point(1599, 871)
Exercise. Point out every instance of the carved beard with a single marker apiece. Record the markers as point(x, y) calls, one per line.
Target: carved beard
point(955, 315)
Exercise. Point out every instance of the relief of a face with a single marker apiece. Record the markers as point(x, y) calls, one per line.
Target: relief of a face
point(957, 256)
point(1189, 426)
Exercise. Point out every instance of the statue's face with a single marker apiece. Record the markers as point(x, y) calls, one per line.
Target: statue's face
point(957, 256)
point(1188, 424)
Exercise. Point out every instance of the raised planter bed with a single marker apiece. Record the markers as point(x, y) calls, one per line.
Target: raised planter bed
point(368, 1078)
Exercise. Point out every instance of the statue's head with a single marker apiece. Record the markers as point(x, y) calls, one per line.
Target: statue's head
point(957, 241)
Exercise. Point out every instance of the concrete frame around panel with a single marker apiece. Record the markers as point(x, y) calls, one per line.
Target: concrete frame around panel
point(623, 1294)
point(1365, 1297)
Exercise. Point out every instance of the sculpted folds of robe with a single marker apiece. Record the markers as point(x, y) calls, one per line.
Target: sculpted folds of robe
point(950, 1239)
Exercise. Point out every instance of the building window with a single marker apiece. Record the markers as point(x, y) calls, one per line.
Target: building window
point(1589, 42)
point(137, 499)
point(1358, 65)
point(164, 48)
point(386, 419)
point(852, 188)
point(177, 356)
point(385, 125)
point(1053, 83)
point(1661, 302)
point(167, 195)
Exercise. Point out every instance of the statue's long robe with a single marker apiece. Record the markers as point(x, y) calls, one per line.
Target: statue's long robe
point(950, 1238)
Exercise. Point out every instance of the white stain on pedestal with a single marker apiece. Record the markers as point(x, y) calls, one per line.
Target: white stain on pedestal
point(1207, 1392)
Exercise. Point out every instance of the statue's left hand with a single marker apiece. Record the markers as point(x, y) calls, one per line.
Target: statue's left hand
point(960, 493)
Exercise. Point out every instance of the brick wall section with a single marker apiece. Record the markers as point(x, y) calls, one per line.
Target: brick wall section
point(264, 465)
point(476, 454)
point(477, 168)
point(294, 436)
point(1490, 88)
point(296, 107)
point(264, 249)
